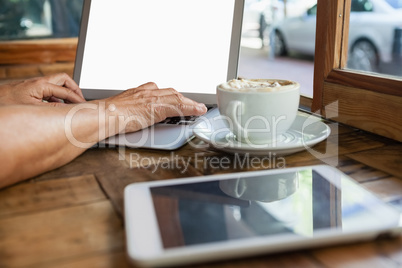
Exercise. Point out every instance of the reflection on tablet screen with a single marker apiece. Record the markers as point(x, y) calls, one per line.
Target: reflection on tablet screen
point(296, 203)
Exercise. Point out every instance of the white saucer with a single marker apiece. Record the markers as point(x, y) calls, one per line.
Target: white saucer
point(306, 131)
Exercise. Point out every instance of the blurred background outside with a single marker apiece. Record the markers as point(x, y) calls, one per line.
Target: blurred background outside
point(27, 19)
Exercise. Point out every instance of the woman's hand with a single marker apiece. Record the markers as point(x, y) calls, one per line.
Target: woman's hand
point(54, 90)
point(140, 107)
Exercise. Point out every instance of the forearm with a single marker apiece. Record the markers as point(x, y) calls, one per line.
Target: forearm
point(38, 139)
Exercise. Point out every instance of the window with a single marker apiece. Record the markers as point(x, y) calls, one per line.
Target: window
point(361, 6)
point(38, 37)
point(369, 101)
point(30, 19)
point(278, 42)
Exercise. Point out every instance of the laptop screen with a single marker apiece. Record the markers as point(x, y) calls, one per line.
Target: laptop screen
point(190, 45)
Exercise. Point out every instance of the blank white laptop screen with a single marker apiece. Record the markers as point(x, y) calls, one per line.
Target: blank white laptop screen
point(184, 44)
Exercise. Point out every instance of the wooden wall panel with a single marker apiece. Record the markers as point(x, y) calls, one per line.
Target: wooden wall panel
point(31, 58)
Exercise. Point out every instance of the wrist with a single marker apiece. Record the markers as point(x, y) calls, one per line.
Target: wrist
point(122, 117)
point(107, 118)
point(87, 123)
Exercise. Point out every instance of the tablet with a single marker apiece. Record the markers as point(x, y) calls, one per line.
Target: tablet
point(208, 218)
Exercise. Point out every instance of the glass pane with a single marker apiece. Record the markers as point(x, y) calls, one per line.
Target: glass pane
point(278, 41)
point(27, 19)
point(375, 36)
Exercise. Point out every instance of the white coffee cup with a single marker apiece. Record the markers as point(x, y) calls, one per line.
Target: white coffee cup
point(258, 111)
point(265, 189)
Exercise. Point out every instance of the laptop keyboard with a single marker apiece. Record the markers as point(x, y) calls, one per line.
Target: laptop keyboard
point(183, 120)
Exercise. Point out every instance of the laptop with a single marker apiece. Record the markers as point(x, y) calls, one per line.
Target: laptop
point(189, 45)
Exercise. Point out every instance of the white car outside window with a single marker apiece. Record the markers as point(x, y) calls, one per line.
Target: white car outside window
point(375, 36)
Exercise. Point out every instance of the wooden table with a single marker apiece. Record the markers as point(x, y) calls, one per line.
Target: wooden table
point(73, 216)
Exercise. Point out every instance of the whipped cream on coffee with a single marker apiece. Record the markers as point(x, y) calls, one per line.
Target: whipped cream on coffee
point(255, 85)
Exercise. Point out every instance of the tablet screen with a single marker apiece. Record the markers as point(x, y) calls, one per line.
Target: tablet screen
point(301, 203)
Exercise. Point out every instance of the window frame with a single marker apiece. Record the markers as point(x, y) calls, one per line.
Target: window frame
point(371, 102)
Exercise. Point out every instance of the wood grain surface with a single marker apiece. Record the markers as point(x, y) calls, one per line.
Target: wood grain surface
point(74, 216)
